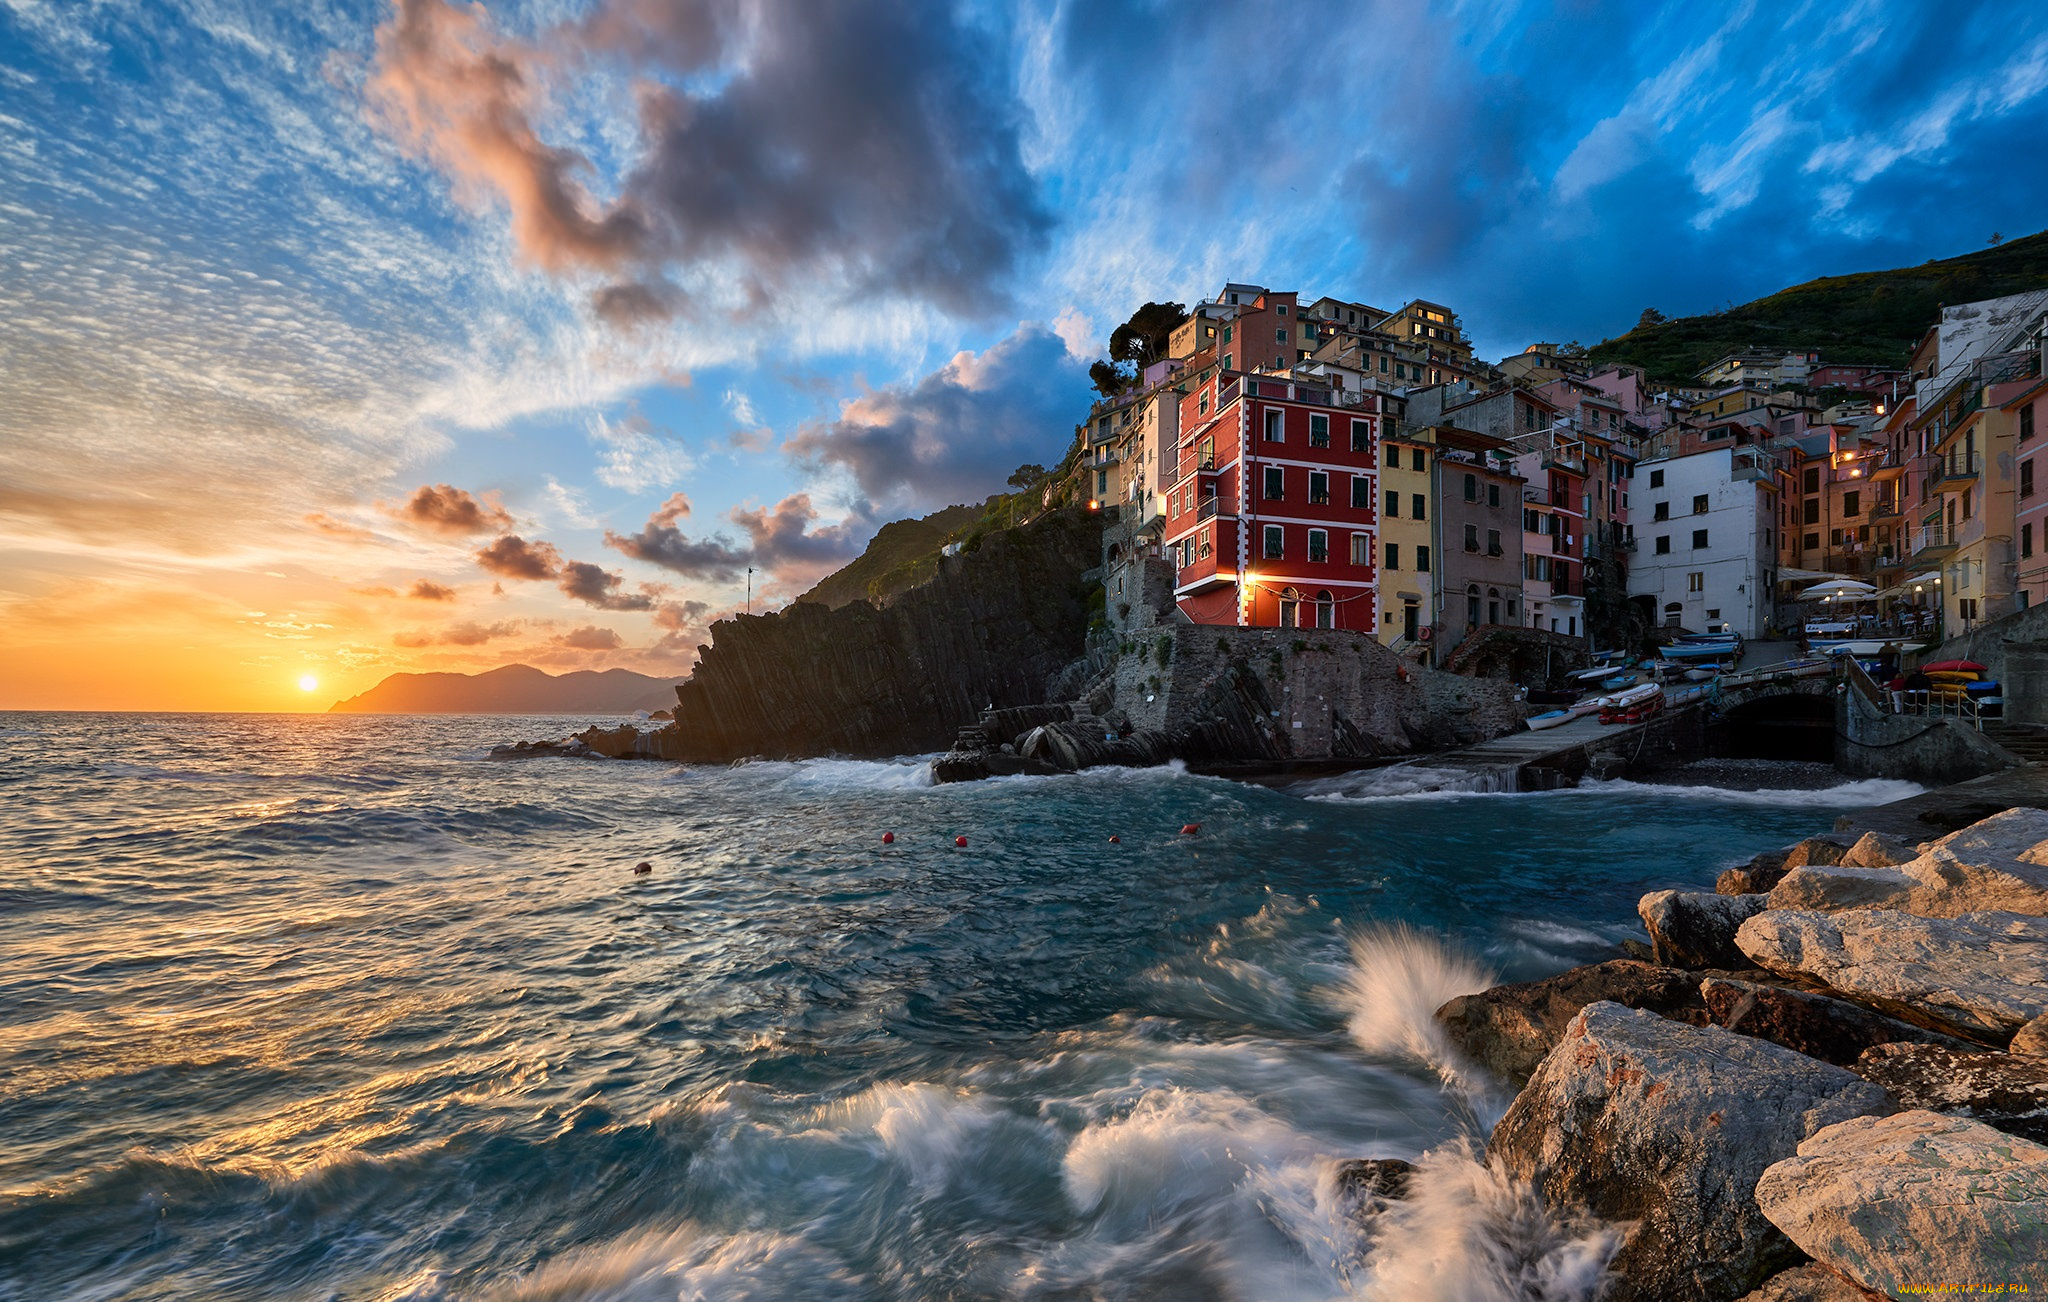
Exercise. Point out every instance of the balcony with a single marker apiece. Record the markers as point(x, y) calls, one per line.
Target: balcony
point(1209, 509)
point(1955, 468)
point(1931, 541)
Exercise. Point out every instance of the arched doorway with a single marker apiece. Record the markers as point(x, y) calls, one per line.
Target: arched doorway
point(1326, 610)
point(1290, 608)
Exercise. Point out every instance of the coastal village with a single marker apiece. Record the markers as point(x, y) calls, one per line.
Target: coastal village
point(1323, 463)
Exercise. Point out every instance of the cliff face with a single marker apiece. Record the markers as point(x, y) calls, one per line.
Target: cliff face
point(991, 628)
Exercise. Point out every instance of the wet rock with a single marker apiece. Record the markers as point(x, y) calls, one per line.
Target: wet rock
point(1666, 1127)
point(1816, 850)
point(1695, 930)
point(622, 742)
point(1367, 1180)
point(2031, 1039)
point(1981, 976)
point(1511, 1028)
point(1914, 1200)
point(2008, 1091)
point(1754, 877)
point(1998, 863)
point(1811, 1284)
point(1832, 1030)
point(1075, 745)
point(569, 748)
point(1876, 850)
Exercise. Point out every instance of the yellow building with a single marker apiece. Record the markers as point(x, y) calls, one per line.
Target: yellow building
point(1408, 548)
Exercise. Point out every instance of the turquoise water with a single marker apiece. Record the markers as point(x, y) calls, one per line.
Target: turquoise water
point(336, 1007)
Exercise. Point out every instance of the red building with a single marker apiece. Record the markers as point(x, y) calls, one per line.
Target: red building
point(1272, 520)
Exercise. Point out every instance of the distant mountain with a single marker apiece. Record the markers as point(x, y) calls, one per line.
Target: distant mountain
point(514, 689)
point(1871, 317)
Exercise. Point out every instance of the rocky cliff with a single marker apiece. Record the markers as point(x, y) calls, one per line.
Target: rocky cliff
point(992, 627)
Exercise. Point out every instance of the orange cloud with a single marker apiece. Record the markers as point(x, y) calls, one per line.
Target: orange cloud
point(445, 509)
point(428, 590)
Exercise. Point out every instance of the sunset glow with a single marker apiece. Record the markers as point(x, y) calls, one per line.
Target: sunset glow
point(307, 683)
point(451, 366)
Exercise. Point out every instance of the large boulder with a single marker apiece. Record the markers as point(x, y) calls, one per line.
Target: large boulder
point(1981, 976)
point(1754, 877)
point(1876, 850)
point(1695, 930)
point(1646, 1121)
point(2031, 1039)
point(1915, 1201)
point(2005, 1090)
point(2000, 863)
point(1832, 1030)
point(1074, 745)
point(1811, 1284)
point(1511, 1028)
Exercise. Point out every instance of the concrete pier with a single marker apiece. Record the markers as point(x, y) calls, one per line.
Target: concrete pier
point(1559, 757)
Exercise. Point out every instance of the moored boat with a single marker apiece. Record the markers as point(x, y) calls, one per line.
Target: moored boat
point(1633, 705)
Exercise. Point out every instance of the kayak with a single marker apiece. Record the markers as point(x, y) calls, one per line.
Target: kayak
point(1953, 667)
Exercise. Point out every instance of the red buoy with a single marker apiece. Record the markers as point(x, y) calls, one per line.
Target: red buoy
point(1116, 840)
point(960, 840)
point(1190, 829)
point(888, 838)
point(642, 868)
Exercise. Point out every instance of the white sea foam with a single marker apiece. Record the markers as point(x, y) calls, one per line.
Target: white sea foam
point(1399, 978)
point(688, 1264)
point(828, 776)
point(1467, 1233)
point(1413, 781)
point(1849, 795)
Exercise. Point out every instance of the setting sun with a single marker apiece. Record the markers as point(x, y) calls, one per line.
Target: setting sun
point(307, 682)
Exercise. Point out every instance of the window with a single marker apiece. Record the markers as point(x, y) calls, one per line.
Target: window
point(1318, 545)
point(1493, 542)
point(1276, 484)
point(1318, 430)
point(1968, 493)
point(1529, 519)
point(1528, 416)
point(1393, 453)
point(1361, 437)
point(1810, 511)
point(1493, 494)
point(1226, 366)
point(2026, 422)
point(1966, 607)
point(1713, 613)
point(2027, 475)
point(1699, 504)
point(1422, 558)
point(1471, 488)
point(2027, 539)
point(1699, 538)
point(1275, 536)
point(1281, 309)
point(1227, 333)
point(1361, 492)
point(1393, 511)
point(1326, 610)
point(1661, 511)
point(1275, 432)
point(1280, 334)
point(1834, 537)
point(1812, 479)
point(1418, 506)
point(1696, 581)
point(1393, 553)
point(1656, 479)
point(1663, 547)
point(1383, 363)
point(1811, 542)
point(1319, 487)
point(1471, 537)
point(1361, 550)
point(1852, 505)
point(1416, 461)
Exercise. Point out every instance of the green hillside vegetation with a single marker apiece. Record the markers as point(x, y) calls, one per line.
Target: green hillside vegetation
point(1871, 317)
point(905, 553)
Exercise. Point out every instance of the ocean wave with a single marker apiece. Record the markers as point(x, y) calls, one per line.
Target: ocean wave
point(1860, 794)
point(1399, 978)
point(1413, 781)
point(686, 1264)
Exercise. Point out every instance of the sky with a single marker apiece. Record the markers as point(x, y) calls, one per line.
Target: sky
point(340, 339)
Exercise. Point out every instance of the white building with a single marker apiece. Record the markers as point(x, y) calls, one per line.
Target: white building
point(1706, 554)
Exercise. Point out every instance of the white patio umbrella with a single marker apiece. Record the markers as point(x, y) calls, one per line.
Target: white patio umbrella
point(1837, 590)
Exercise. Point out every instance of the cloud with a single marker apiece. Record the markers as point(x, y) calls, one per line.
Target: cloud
point(513, 557)
point(785, 545)
point(595, 586)
point(870, 144)
point(467, 633)
point(445, 509)
point(661, 543)
point(638, 454)
point(956, 434)
point(590, 637)
point(686, 626)
point(325, 524)
point(428, 590)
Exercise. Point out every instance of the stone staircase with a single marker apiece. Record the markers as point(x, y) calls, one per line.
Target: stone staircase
point(2028, 741)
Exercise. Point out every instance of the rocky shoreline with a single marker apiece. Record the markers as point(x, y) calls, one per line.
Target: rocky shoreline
point(1825, 1080)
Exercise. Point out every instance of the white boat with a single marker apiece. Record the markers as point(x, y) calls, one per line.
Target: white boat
point(1701, 675)
point(1551, 719)
point(1632, 705)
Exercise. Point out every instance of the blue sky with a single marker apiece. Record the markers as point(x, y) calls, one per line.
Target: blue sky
point(267, 271)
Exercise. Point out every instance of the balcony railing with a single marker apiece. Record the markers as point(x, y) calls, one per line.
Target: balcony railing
point(1209, 509)
point(1932, 538)
point(1959, 464)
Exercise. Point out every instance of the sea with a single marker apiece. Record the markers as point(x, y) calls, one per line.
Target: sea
point(339, 1007)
